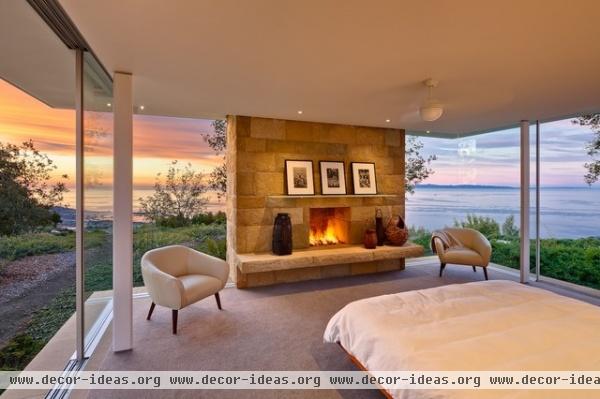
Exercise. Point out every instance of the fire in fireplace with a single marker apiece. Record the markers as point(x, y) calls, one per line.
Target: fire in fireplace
point(328, 226)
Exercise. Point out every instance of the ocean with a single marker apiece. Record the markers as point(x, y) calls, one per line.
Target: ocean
point(565, 212)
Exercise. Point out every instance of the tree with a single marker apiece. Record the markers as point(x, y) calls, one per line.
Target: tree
point(179, 199)
point(217, 140)
point(593, 147)
point(509, 230)
point(26, 191)
point(418, 168)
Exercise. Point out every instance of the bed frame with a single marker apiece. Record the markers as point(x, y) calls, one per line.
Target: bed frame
point(358, 364)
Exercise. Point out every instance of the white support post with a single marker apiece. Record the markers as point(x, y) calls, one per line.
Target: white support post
point(123, 210)
point(524, 201)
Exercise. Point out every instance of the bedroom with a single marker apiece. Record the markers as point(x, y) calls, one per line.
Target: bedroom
point(320, 104)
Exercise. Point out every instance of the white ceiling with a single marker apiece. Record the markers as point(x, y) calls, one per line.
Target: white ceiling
point(33, 58)
point(353, 62)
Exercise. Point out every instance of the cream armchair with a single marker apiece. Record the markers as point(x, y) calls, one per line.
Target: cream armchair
point(470, 248)
point(177, 276)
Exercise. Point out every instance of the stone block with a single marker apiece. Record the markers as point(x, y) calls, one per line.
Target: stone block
point(246, 202)
point(339, 134)
point(362, 213)
point(363, 268)
point(301, 131)
point(268, 183)
point(391, 184)
point(254, 238)
point(293, 275)
point(250, 144)
point(260, 279)
point(267, 128)
point(257, 162)
point(242, 126)
point(245, 183)
point(300, 236)
point(389, 265)
point(335, 271)
point(254, 217)
point(369, 135)
point(394, 138)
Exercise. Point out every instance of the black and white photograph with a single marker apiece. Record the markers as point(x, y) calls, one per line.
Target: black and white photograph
point(363, 178)
point(333, 177)
point(299, 177)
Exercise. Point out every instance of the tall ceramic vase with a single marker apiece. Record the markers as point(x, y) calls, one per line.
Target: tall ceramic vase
point(282, 234)
point(379, 228)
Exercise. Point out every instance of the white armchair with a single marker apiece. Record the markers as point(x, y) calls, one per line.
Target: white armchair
point(471, 249)
point(177, 276)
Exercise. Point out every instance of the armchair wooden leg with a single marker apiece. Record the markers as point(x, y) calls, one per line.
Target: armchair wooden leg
point(174, 313)
point(442, 266)
point(218, 298)
point(475, 270)
point(150, 311)
point(485, 272)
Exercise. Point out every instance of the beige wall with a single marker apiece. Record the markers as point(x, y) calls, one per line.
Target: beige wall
point(256, 152)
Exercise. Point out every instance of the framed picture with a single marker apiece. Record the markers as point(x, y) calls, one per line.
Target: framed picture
point(333, 177)
point(299, 178)
point(363, 178)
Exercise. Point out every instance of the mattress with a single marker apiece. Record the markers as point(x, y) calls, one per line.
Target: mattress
point(482, 326)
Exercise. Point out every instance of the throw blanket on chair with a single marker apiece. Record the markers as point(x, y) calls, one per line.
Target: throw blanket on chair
point(447, 239)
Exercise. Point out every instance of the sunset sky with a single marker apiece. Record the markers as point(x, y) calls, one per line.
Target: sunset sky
point(491, 159)
point(157, 140)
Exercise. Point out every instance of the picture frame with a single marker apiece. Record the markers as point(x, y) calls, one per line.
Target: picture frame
point(333, 177)
point(364, 179)
point(299, 177)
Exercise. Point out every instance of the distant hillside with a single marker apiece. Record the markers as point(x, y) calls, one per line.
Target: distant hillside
point(466, 186)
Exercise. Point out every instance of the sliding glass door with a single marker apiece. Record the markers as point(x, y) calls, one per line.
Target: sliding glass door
point(569, 213)
point(97, 196)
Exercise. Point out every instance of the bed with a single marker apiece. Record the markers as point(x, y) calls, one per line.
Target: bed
point(488, 325)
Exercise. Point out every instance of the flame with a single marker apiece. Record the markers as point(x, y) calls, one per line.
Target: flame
point(324, 237)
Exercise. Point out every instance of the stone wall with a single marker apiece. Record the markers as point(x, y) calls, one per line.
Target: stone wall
point(256, 152)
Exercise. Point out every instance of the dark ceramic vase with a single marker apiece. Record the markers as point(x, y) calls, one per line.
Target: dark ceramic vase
point(379, 228)
point(282, 234)
point(370, 240)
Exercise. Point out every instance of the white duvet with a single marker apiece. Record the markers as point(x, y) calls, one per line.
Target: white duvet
point(489, 325)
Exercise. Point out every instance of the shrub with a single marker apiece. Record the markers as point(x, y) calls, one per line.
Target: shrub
point(485, 225)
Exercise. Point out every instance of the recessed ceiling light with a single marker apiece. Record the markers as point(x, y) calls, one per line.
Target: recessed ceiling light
point(142, 107)
point(427, 131)
point(108, 104)
point(300, 112)
point(388, 120)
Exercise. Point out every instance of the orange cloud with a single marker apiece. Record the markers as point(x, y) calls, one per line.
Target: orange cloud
point(157, 140)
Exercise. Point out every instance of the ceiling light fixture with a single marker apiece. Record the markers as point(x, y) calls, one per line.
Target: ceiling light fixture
point(388, 120)
point(142, 107)
point(300, 112)
point(108, 104)
point(431, 109)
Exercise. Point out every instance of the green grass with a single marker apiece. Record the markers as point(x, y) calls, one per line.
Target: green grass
point(22, 348)
point(20, 246)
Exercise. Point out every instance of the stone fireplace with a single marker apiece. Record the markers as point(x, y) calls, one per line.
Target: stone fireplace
point(328, 226)
point(327, 230)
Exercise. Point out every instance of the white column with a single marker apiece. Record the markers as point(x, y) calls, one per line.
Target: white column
point(123, 209)
point(79, 223)
point(524, 201)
